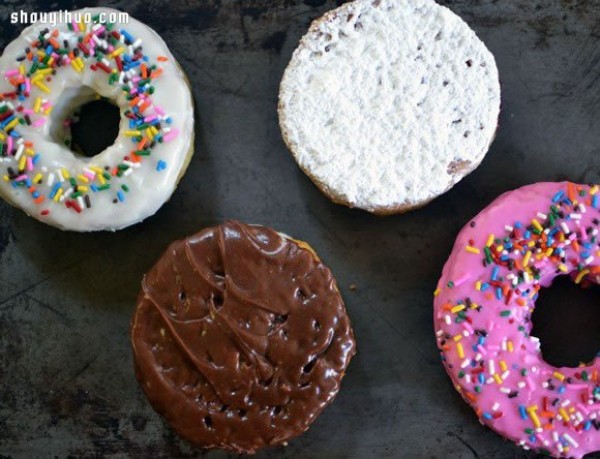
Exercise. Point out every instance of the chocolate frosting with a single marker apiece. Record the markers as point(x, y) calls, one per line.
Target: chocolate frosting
point(240, 337)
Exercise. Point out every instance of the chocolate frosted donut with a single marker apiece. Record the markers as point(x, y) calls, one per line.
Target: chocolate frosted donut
point(240, 337)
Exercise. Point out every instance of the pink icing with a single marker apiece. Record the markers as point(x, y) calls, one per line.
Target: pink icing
point(484, 333)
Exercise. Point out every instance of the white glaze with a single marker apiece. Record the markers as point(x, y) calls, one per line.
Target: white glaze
point(149, 188)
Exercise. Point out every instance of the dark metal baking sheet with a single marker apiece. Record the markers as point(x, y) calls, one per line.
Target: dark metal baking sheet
point(66, 380)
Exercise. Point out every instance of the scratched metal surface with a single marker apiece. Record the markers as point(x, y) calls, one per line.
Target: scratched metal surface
point(66, 381)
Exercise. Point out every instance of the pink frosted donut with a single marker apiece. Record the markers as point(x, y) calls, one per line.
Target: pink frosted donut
point(482, 314)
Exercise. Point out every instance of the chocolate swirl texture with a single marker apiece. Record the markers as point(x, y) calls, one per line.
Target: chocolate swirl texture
point(240, 337)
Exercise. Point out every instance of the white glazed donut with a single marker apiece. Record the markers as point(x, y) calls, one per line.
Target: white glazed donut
point(48, 70)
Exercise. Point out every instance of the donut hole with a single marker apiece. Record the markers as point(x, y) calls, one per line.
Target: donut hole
point(85, 122)
point(566, 319)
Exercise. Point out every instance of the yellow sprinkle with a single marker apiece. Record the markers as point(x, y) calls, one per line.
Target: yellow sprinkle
point(457, 337)
point(499, 248)
point(537, 225)
point(80, 62)
point(526, 258)
point(41, 73)
point(564, 414)
point(509, 346)
point(594, 189)
point(38, 104)
point(497, 378)
point(66, 174)
point(549, 251)
point(29, 151)
point(532, 414)
point(490, 240)
point(22, 69)
point(50, 61)
point(83, 178)
point(117, 51)
point(474, 306)
point(478, 286)
point(149, 133)
point(37, 177)
point(22, 163)
point(558, 375)
point(42, 86)
point(503, 365)
point(154, 130)
point(132, 133)
point(75, 65)
point(460, 351)
point(457, 308)
point(101, 179)
point(2, 136)
point(12, 124)
point(58, 194)
point(6, 179)
point(472, 249)
point(581, 275)
point(48, 110)
point(563, 268)
point(83, 189)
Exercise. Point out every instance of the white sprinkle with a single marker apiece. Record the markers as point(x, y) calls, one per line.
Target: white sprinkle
point(573, 443)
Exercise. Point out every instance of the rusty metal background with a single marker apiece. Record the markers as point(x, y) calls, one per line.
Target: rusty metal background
point(66, 380)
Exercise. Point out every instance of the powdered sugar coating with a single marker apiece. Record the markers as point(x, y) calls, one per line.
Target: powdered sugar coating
point(386, 104)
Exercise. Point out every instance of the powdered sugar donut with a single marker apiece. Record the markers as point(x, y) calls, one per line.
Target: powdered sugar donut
point(483, 306)
point(386, 104)
point(48, 70)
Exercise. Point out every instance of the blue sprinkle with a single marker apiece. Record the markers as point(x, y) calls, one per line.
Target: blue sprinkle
point(498, 293)
point(595, 201)
point(35, 194)
point(587, 425)
point(495, 273)
point(36, 158)
point(522, 412)
point(94, 187)
point(557, 197)
point(561, 389)
point(487, 416)
point(481, 378)
point(485, 286)
point(121, 196)
point(532, 438)
point(161, 165)
point(527, 234)
point(7, 120)
point(127, 35)
point(28, 182)
point(54, 190)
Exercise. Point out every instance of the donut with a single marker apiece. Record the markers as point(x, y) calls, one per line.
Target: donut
point(50, 70)
point(386, 104)
point(482, 314)
point(240, 337)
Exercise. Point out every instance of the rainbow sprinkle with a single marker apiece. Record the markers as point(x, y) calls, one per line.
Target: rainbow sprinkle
point(118, 55)
point(558, 241)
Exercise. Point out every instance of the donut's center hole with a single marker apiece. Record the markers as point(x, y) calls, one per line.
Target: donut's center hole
point(85, 122)
point(566, 319)
point(94, 127)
